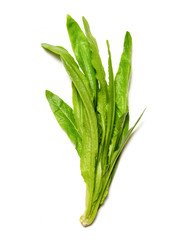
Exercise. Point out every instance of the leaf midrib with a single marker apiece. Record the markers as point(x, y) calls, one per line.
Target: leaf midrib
point(67, 117)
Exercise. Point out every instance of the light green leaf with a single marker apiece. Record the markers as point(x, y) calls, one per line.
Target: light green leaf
point(78, 110)
point(63, 53)
point(64, 116)
point(98, 180)
point(100, 74)
point(102, 92)
point(111, 101)
point(101, 105)
point(118, 129)
point(115, 159)
point(82, 52)
point(99, 122)
point(95, 57)
point(122, 78)
point(88, 160)
point(104, 146)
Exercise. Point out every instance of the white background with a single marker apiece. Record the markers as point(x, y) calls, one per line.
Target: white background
point(153, 195)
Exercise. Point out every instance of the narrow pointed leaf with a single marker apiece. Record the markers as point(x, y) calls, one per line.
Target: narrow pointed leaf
point(116, 157)
point(95, 57)
point(100, 74)
point(118, 129)
point(64, 116)
point(102, 92)
point(64, 54)
point(122, 78)
point(99, 122)
point(87, 160)
point(111, 100)
point(78, 110)
point(82, 52)
point(125, 139)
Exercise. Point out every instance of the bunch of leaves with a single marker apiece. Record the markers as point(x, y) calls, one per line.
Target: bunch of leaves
point(98, 124)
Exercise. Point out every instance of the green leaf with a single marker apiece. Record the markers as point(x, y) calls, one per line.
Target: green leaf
point(124, 141)
point(100, 74)
point(111, 100)
point(109, 176)
point(78, 79)
point(118, 129)
point(107, 132)
point(122, 78)
point(98, 180)
point(102, 92)
point(82, 52)
point(64, 116)
point(95, 57)
point(99, 122)
point(88, 162)
point(115, 159)
point(63, 54)
point(88, 159)
point(78, 110)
